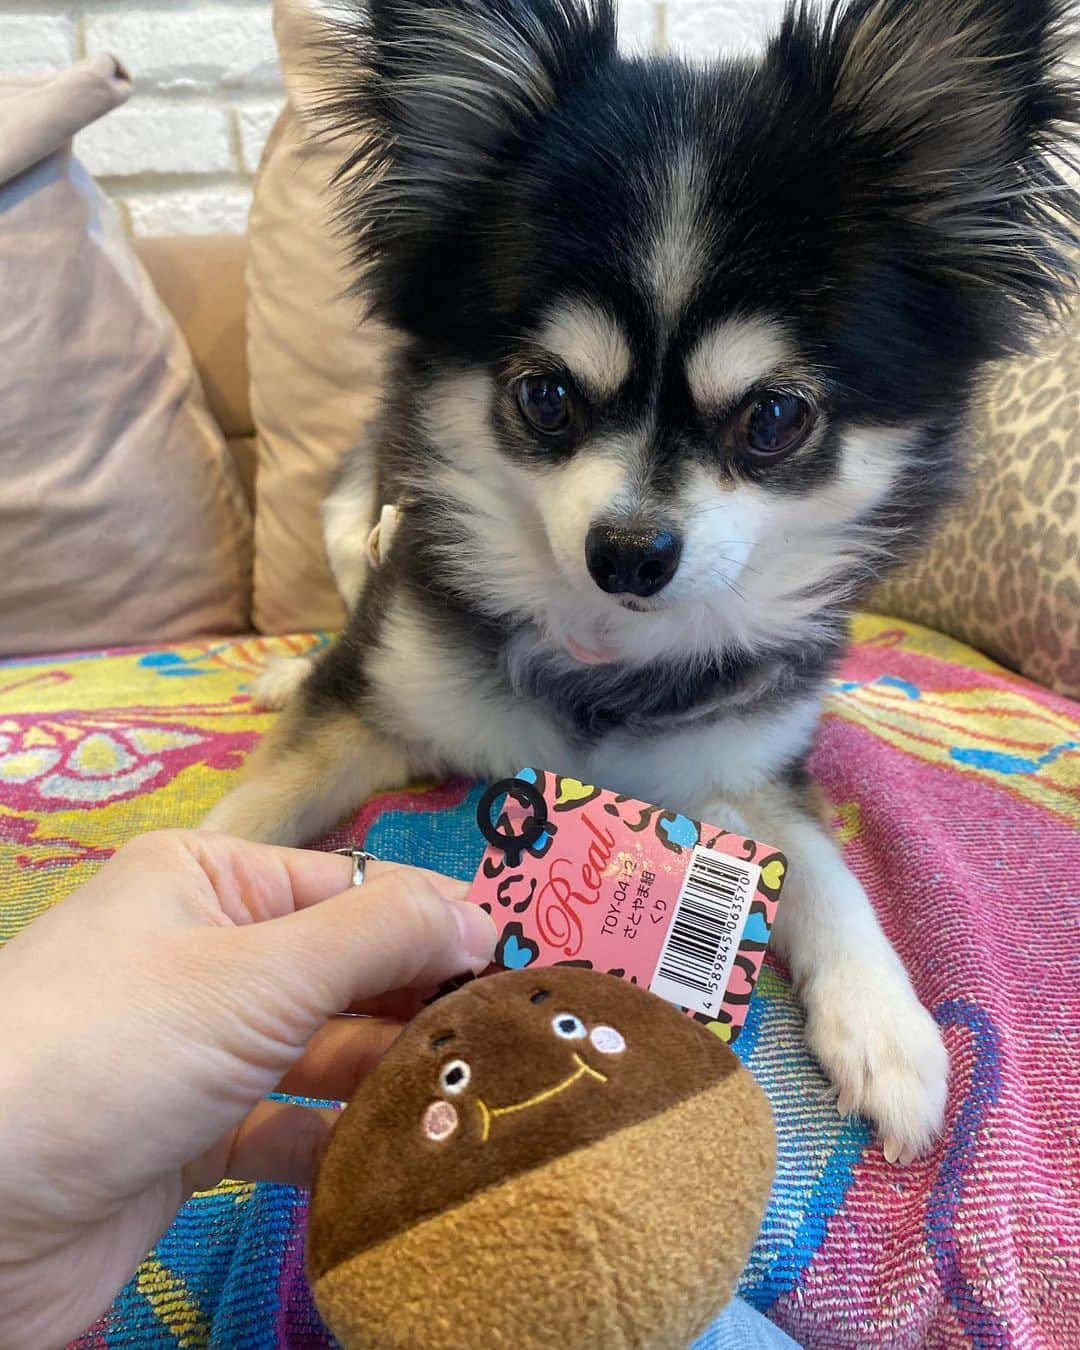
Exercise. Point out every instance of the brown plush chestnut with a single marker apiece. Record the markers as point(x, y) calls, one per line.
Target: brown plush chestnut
point(547, 1157)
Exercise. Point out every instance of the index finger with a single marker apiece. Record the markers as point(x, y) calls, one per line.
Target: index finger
point(402, 930)
point(255, 882)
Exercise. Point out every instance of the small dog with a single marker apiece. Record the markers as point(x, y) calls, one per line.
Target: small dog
point(687, 360)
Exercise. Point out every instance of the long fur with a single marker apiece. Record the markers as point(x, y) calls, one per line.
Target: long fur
point(861, 219)
point(910, 162)
point(958, 122)
point(431, 97)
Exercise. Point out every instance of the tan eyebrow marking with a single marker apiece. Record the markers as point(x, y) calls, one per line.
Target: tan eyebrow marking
point(590, 344)
point(734, 357)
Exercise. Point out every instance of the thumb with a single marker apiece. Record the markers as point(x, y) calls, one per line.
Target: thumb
point(405, 928)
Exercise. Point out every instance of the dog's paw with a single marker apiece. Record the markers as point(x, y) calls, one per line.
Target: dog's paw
point(252, 812)
point(279, 680)
point(883, 1053)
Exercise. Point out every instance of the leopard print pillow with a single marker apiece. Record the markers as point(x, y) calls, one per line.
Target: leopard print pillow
point(1003, 573)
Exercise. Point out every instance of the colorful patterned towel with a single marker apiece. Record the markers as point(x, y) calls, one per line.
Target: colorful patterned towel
point(958, 798)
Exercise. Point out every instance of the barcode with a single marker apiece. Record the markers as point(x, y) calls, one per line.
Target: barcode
point(701, 944)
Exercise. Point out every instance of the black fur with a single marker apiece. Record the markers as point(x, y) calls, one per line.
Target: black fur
point(884, 180)
point(926, 210)
point(659, 697)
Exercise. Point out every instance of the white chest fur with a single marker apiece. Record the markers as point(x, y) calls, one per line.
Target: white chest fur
point(453, 714)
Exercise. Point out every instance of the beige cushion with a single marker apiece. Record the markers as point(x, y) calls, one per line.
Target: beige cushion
point(41, 117)
point(121, 518)
point(200, 279)
point(314, 366)
point(1004, 572)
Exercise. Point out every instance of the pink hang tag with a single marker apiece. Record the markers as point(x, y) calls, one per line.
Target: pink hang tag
point(577, 875)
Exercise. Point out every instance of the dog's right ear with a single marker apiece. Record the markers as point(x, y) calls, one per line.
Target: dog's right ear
point(432, 93)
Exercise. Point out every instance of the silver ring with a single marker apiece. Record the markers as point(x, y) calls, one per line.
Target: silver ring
point(360, 860)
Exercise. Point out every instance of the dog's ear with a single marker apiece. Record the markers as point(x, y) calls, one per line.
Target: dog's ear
point(968, 114)
point(432, 94)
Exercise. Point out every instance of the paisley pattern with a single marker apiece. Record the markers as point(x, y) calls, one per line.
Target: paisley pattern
point(76, 760)
point(957, 792)
point(98, 746)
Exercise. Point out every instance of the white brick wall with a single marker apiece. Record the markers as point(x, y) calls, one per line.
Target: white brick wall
point(212, 47)
point(706, 25)
point(181, 155)
point(35, 44)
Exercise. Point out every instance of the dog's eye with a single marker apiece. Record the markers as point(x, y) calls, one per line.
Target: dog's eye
point(546, 403)
point(773, 424)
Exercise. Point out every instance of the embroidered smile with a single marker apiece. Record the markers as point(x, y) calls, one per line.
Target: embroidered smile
point(490, 1113)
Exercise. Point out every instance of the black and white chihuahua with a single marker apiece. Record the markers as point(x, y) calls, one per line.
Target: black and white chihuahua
point(687, 361)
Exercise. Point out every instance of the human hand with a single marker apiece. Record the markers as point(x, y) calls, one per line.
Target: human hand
point(147, 1017)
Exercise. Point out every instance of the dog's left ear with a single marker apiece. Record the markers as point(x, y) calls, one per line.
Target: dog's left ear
point(960, 113)
point(432, 95)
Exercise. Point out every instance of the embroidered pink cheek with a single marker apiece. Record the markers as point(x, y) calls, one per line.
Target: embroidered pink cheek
point(608, 1041)
point(440, 1121)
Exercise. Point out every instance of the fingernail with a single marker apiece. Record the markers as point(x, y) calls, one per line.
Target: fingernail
point(477, 933)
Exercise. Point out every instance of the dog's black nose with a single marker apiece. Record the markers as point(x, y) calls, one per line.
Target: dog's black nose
point(628, 561)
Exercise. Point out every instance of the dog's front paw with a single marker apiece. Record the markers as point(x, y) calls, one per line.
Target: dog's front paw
point(279, 679)
point(245, 813)
point(883, 1052)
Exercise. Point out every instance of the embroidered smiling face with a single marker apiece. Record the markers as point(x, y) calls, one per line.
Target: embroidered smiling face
point(442, 1118)
point(502, 1077)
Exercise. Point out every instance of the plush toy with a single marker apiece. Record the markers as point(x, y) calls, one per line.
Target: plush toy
point(546, 1157)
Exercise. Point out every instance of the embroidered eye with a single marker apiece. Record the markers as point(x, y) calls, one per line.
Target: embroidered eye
point(608, 1041)
point(454, 1077)
point(773, 424)
point(547, 403)
point(569, 1027)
